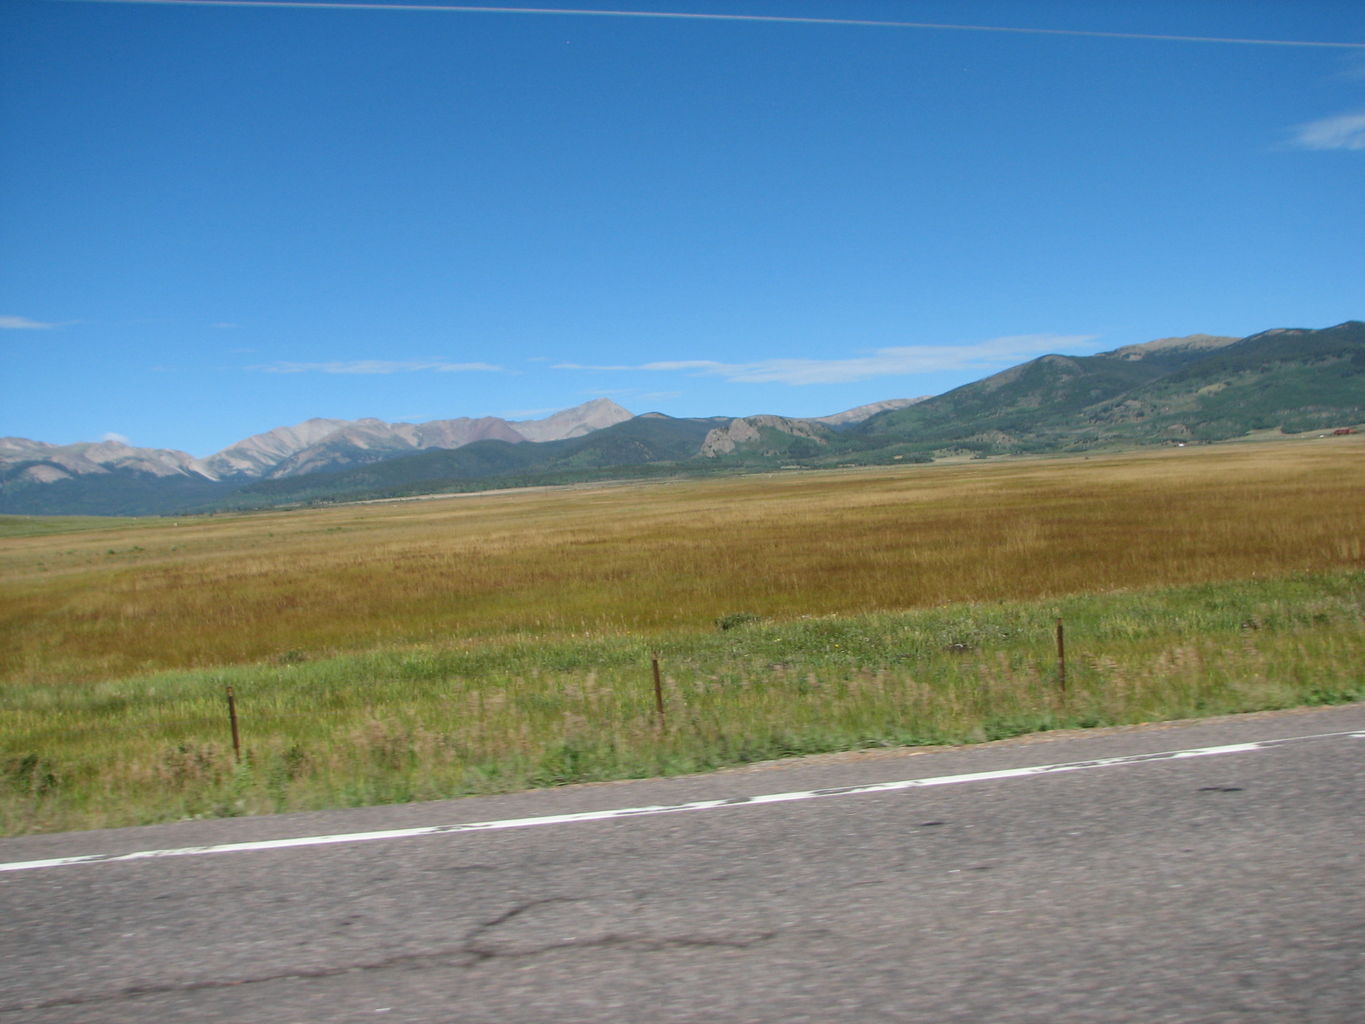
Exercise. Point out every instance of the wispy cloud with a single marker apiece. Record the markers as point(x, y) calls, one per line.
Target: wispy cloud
point(109, 435)
point(883, 362)
point(23, 323)
point(1345, 131)
point(379, 366)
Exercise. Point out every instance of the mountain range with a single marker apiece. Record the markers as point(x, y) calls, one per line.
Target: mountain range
point(309, 447)
point(1173, 390)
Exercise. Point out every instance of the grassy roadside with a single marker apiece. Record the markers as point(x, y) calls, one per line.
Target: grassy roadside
point(431, 722)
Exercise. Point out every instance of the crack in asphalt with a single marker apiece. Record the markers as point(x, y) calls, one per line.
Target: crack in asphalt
point(471, 952)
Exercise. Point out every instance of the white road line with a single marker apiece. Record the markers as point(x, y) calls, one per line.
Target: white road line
point(653, 809)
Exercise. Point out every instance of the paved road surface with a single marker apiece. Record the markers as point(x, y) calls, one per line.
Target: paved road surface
point(1219, 887)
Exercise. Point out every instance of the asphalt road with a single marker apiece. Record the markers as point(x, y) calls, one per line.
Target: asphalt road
point(1218, 887)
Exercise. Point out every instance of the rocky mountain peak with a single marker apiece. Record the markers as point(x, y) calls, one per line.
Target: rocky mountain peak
point(575, 422)
point(747, 431)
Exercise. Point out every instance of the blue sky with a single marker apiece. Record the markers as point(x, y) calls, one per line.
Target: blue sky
point(215, 220)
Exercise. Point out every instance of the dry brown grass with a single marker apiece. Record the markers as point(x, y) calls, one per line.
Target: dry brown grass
point(234, 589)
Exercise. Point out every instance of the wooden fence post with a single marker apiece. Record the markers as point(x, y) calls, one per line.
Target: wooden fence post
point(658, 691)
point(232, 720)
point(1061, 660)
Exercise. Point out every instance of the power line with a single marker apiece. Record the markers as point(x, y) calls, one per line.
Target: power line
point(336, 5)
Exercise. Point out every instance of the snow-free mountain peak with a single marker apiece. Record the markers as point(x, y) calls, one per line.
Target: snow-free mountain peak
point(575, 422)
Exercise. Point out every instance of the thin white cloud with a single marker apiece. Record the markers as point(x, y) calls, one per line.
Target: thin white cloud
point(1344, 131)
point(379, 366)
point(116, 438)
point(23, 323)
point(883, 362)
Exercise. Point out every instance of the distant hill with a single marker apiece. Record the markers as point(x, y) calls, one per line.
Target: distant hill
point(1196, 388)
point(1290, 380)
point(1201, 388)
point(122, 493)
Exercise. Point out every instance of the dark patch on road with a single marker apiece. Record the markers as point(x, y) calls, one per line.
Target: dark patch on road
point(471, 952)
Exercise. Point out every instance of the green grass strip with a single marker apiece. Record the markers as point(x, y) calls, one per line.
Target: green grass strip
point(436, 721)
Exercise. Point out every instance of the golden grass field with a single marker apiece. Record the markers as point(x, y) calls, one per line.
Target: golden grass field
point(232, 589)
point(372, 633)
